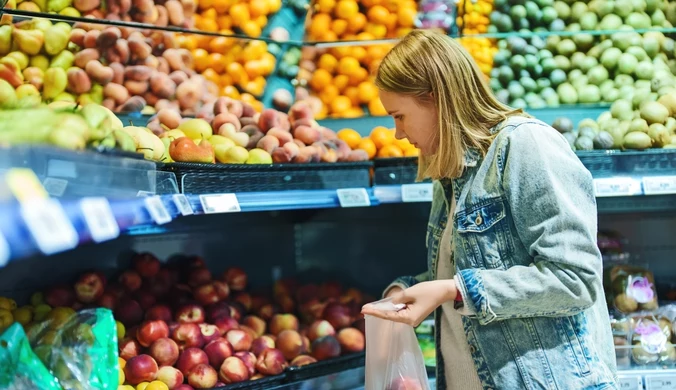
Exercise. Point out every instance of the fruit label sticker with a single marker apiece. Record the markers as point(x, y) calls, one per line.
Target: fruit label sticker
point(659, 185)
point(617, 186)
point(353, 197)
point(653, 340)
point(182, 204)
point(49, 226)
point(629, 383)
point(99, 218)
point(419, 192)
point(640, 289)
point(4, 251)
point(661, 382)
point(220, 203)
point(157, 210)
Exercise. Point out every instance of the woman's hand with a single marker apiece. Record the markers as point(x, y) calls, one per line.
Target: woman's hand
point(420, 301)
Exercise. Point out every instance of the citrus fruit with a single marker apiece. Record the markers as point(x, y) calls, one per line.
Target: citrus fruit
point(389, 151)
point(367, 145)
point(351, 137)
point(382, 137)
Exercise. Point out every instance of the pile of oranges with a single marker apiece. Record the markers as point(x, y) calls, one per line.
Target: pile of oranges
point(226, 16)
point(473, 18)
point(381, 143)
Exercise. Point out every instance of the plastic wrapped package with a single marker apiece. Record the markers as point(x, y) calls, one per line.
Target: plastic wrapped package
point(651, 340)
point(621, 327)
point(394, 360)
point(632, 289)
point(21, 369)
point(80, 349)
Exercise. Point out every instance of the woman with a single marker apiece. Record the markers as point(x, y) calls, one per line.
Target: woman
point(515, 279)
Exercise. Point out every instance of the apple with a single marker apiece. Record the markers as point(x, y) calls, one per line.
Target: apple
point(286, 303)
point(128, 348)
point(187, 336)
point(89, 287)
point(116, 289)
point(159, 312)
point(59, 296)
point(338, 315)
point(281, 322)
point(262, 343)
point(312, 310)
point(330, 290)
point(202, 376)
point(244, 299)
point(199, 276)
point(236, 278)
point(307, 293)
point(290, 343)
point(183, 387)
point(151, 330)
point(236, 310)
point(129, 312)
point(319, 329)
point(170, 376)
point(271, 362)
point(146, 264)
point(303, 360)
point(326, 347)
point(190, 358)
point(217, 310)
point(141, 368)
point(222, 289)
point(249, 360)
point(130, 280)
point(226, 324)
point(160, 284)
point(351, 340)
point(209, 332)
point(206, 294)
point(217, 351)
point(233, 370)
point(145, 299)
point(164, 351)
point(190, 314)
point(239, 339)
point(107, 300)
point(268, 310)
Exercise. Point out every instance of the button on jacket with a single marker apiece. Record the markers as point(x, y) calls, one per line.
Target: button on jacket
point(526, 263)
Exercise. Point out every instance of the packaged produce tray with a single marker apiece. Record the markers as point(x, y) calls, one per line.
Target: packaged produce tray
point(197, 178)
point(391, 171)
point(260, 384)
point(630, 162)
point(326, 367)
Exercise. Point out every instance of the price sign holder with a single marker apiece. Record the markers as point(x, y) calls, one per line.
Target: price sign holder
point(659, 185)
point(182, 204)
point(220, 203)
point(630, 383)
point(157, 210)
point(419, 192)
point(49, 226)
point(100, 219)
point(353, 197)
point(143, 194)
point(55, 187)
point(660, 382)
point(617, 186)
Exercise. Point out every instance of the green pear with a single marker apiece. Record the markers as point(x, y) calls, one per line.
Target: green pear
point(39, 61)
point(64, 138)
point(57, 5)
point(63, 60)
point(29, 41)
point(8, 96)
point(56, 40)
point(73, 123)
point(5, 39)
point(55, 83)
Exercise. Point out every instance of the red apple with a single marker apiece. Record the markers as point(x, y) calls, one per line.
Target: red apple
point(319, 329)
point(249, 360)
point(239, 339)
point(160, 284)
point(170, 376)
point(303, 360)
point(250, 331)
point(130, 280)
point(222, 289)
point(89, 287)
point(141, 368)
point(217, 310)
point(284, 287)
point(237, 311)
point(202, 376)
point(145, 299)
point(164, 351)
point(206, 294)
point(312, 310)
point(59, 296)
point(209, 332)
point(128, 348)
point(129, 312)
point(199, 276)
point(190, 358)
point(351, 340)
point(262, 343)
point(152, 330)
point(190, 314)
point(226, 324)
point(280, 322)
point(257, 301)
point(195, 262)
point(146, 264)
point(233, 370)
point(326, 347)
point(245, 299)
point(159, 312)
point(271, 362)
point(187, 336)
point(183, 387)
point(338, 315)
point(107, 300)
point(255, 323)
point(236, 278)
point(290, 343)
point(217, 351)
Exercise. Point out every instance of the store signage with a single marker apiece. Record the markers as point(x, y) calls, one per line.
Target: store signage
point(353, 197)
point(630, 383)
point(157, 210)
point(661, 382)
point(49, 226)
point(182, 204)
point(220, 203)
point(659, 185)
point(100, 219)
point(617, 186)
point(419, 192)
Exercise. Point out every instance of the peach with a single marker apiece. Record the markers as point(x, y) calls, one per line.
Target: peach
point(141, 368)
point(307, 135)
point(118, 52)
point(83, 57)
point(239, 339)
point(300, 110)
point(234, 107)
point(248, 111)
point(233, 370)
point(190, 314)
point(133, 104)
point(351, 340)
point(188, 95)
point(209, 332)
point(338, 315)
point(163, 66)
point(170, 376)
point(247, 121)
point(190, 358)
point(283, 135)
point(223, 118)
point(90, 38)
point(307, 154)
point(268, 310)
point(99, 73)
point(109, 103)
point(262, 343)
point(77, 36)
point(358, 155)
point(129, 312)
point(206, 294)
point(282, 99)
point(218, 350)
point(281, 322)
point(303, 360)
point(89, 287)
point(202, 376)
point(320, 329)
point(78, 81)
point(271, 362)
point(164, 351)
point(117, 92)
point(254, 133)
point(217, 310)
point(178, 76)
point(244, 299)
point(136, 87)
point(236, 278)
point(226, 324)
point(249, 360)
point(269, 118)
point(169, 118)
point(268, 143)
point(222, 289)
point(290, 343)
point(139, 48)
point(128, 348)
point(150, 331)
point(328, 134)
point(326, 347)
point(108, 37)
point(255, 323)
point(175, 12)
point(162, 86)
point(306, 122)
point(187, 336)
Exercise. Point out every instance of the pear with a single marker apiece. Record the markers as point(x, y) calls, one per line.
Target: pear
point(66, 139)
point(124, 141)
point(42, 24)
point(39, 61)
point(5, 39)
point(9, 72)
point(34, 76)
point(21, 59)
point(259, 156)
point(196, 129)
point(58, 5)
point(8, 96)
point(56, 40)
point(55, 83)
point(73, 123)
point(166, 157)
point(173, 134)
point(70, 11)
point(29, 41)
point(64, 97)
point(63, 60)
point(147, 143)
point(26, 90)
point(94, 114)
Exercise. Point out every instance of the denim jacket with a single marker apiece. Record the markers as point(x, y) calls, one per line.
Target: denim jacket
point(526, 263)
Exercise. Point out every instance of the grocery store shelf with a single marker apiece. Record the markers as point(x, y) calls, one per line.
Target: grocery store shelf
point(565, 33)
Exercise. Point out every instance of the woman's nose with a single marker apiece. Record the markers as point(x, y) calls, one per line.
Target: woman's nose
point(399, 133)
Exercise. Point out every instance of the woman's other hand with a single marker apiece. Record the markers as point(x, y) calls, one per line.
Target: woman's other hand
point(420, 300)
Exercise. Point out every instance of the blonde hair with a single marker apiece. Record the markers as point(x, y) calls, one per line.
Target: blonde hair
point(434, 68)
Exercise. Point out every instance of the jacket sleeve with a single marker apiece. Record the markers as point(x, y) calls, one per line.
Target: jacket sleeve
point(551, 199)
point(406, 282)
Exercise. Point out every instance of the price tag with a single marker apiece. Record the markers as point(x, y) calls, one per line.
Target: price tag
point(420, 192)
point(656, 185)
point(55, 187)
point(661, 382)
point(220, 203)
point(629, 383)
point(49, 226)
point(157, 210)
point(144, 193)
point(100, 219)
point(182, 204)
point(4, 251)
point(616, 186)
point(353, 197)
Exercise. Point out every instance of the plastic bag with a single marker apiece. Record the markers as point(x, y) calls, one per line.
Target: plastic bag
point(21, 369)
point(632, 288)
point(80, 349)
point(650, 339)
point(394, 360)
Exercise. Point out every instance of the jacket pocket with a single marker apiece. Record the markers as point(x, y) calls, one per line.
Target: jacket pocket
point(483, 233)
point(578, 355)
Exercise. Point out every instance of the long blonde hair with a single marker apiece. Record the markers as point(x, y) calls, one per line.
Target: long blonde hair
point(434, 68)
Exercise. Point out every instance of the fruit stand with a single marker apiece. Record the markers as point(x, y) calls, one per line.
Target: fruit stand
point(203, 194)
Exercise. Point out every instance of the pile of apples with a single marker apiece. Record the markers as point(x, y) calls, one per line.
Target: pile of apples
point(180, 325)
point(232, 132)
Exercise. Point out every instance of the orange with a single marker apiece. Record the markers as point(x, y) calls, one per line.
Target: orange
point(239, 13)
point(210, 14)
point(341, 82)
point(212, 76)
point(221, 6)
point(346, 9)
point(236, 71)
point(254, 88)
point(209, 25)
point(329, 93)
point(354, 112)
point(376, 52)
point(378, 14)
point(357, 23)
point(217, 62)
point(318, 25)
point(378, 31)
point(254, 68)
point(389, 151)
point(230, 91)
point(219, 45)
point(325, 6)
point(328, 36)
point(268, 61)
point(261, 21)
point(187, 42)
point(406, 16)
point(340, 51)
point(248, 98)
point(251, 28)
point(320, 79)
point(381, 136)
point(358, 76)
point(340, 104)
point(205, 4)
point(353, 94)
point(376, 108)
point(359, 53)
point(274, 5)
point(367, 92)
point(201, 59)
point(339, 26)
point(367, 145)
point(225, 80)
point(258, 8)
point(327, 62)
point(413, 152)
point(351, 137)
point(403, 31)
point(391, 22)
point(370, 3)
point(348, 66)
point(366, 36)
point(403, 144)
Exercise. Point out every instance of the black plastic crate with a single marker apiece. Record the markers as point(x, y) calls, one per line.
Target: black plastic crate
point(604, 163)
point(260, 384)
point(197, 178)
point(391, 171)
point(326, 367)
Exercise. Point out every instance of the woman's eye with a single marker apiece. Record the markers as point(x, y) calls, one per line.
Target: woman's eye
point(399, 117)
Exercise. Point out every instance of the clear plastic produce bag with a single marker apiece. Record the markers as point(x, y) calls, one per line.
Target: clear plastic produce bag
point(20, 369)
point(394, 360)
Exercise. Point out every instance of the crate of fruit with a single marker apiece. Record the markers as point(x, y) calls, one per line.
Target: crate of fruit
point(629, 162)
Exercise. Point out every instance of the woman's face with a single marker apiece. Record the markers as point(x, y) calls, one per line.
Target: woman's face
point(413, 120)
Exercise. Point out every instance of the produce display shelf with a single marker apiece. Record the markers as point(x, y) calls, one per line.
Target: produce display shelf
point(566, 33)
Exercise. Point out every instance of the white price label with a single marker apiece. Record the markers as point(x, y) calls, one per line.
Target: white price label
point(616, 186)
point(100, 219)
point(656, 185)
point(661, 382)
point(220, 203)
point(182, 204)
point(55, 187)
point(49, 226)
point(353, 197)
point(4, 251)
point(629, 383)
point(420, 192)
point(144, 193)
point(157, 210)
